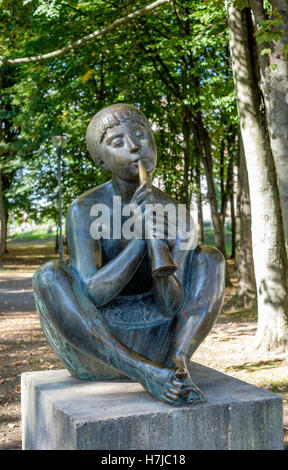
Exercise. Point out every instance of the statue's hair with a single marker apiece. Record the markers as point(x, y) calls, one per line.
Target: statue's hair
point(108, 118)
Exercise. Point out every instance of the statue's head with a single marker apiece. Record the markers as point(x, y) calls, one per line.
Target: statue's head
point(117, 137)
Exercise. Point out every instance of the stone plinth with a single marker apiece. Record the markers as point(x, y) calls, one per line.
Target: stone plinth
point(60, 412)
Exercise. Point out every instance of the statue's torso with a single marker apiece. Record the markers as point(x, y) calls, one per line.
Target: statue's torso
point(80, 239)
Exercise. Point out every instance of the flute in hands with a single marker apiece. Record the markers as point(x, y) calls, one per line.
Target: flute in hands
point(162, 264)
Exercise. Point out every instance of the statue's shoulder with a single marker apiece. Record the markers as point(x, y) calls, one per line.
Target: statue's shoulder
point(85, 201)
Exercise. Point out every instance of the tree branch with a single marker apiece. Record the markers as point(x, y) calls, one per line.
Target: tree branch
point(89, 37)
point(79, 12)
point(162, 76)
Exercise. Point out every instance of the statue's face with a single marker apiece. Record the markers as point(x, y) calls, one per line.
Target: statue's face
point(124, 145)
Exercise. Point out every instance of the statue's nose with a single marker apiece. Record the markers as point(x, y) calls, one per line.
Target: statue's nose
point(133, 145)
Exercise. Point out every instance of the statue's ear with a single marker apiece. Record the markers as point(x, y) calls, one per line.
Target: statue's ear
point(102, 164)
point(95, 157)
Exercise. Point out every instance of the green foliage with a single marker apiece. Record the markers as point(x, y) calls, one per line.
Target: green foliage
point(270, 29)
point(265, 51)
point(168, 63)
point(241, 4)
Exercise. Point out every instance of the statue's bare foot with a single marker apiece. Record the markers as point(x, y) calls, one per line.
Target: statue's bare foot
point(194, 395)
point(189, 391)
point(180, 389)
point(167, 384)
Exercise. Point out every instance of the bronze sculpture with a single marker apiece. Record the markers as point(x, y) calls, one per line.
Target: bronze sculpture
point(136, 307)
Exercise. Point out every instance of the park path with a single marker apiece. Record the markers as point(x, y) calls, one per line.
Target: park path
point(24, 348)
point(16, 292)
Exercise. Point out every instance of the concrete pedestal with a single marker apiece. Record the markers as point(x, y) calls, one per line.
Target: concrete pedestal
point(60, 412)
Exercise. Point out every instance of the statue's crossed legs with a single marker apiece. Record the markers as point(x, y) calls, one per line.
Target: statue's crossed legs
point(80, 337)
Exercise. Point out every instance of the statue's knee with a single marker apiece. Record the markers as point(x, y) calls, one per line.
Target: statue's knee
point(209, 260)
point(47, 275)
point(210, 253)
point(207, 271)
point(214, 270)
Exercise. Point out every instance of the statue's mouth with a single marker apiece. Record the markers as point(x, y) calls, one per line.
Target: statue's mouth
point(146, 159)
point(135, 163)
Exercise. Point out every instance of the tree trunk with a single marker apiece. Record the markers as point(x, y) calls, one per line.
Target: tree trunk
point(270, 261)
point(57, 239)
point(6, 230)
point(273, 68)
point(3, 231)
point(200, 222)
point(2, 209)
point(203, 146)
point(222, 182)
point(246, 290)
point(233, 227)
point(229, 196)
point(186, 152)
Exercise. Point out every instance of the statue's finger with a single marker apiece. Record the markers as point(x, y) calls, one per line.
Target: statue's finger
point(143, 195)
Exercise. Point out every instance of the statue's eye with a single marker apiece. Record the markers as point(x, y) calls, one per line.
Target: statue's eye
point(139, 133)
point(117, 142)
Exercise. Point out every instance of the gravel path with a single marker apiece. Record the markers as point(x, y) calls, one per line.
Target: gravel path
point(23, 346)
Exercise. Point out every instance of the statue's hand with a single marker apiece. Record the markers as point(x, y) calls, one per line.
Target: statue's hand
point(142, 199)
point(155, 222)
point(162, 225)
point(143, 195)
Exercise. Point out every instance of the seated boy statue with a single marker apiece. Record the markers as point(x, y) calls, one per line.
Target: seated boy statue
point(113, 311)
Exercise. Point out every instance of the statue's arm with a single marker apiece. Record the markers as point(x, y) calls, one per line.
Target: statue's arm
point(108, 281)
point(103, 283)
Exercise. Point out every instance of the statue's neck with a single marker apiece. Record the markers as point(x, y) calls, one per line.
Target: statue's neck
point(125, 189)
